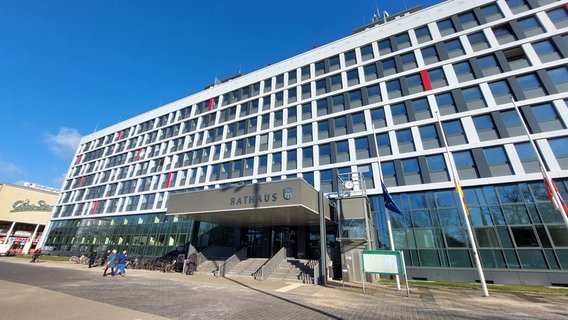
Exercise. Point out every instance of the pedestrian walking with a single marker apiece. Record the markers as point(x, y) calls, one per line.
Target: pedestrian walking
point(122, 258)
point(110, 263)
point(105, 257)
point(92, 258)
point(36, 254)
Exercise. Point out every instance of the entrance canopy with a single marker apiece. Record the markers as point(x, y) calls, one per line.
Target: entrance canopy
point(290, 202)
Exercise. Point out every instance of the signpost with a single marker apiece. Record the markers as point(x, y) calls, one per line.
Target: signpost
point(387, 262)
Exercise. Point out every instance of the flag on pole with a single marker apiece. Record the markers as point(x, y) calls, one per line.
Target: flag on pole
point(462, 196)
point(389, 202)
point(553, 192)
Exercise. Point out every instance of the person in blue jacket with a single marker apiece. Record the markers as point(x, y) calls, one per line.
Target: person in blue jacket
point(122, 258)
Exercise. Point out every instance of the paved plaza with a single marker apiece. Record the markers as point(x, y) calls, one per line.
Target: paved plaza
point(58, 290)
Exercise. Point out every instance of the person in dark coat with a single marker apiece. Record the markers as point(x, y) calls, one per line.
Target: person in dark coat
point(92, 258)
point(105, 257)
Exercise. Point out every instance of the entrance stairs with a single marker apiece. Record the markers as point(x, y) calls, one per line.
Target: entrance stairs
point(209, 266)
point(246, 267)
point(298, 270)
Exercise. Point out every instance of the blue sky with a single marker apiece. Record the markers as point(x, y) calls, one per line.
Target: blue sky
point(70, 67)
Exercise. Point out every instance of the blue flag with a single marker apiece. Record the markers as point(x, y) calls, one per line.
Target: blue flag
point(389, 202)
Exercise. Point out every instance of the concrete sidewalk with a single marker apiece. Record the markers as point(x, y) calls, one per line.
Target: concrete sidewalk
point(58, 290)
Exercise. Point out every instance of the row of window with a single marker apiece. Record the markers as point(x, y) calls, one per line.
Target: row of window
point(328, 65)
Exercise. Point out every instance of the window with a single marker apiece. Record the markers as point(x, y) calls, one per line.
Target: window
point(411, 171)
point(414, 83)
point(531, 26)
point(437, 168)
point(468, 20)
point(491, 12)
point(423, 34)
point(350, 58)
point(371, 72)
point(389, 173)
point(292, 162)
point(358, 120)
point(531, 86)
point(463, 71)
point(307, 133)
point(262, 164)
point(489, 65)
point(501, 92)
point(321, 87)
point(355, 99)
point(528, 157)
point(513, 123)
point(465, 165)
point(454, 48)
point(276, 162)
point(385, 47)
point(421, 109)
point(292, 77)
point(478, 41)
point(306, 91)
point(367, 52)
point(485, 127)
point(559, 77)
point(399, 113)
point(473, 98)
point(402, 41)
point(306, 111)
point(323, 130)
point(319, 68)
point(547, 117)
point(291, 137)
point(334, 63)
point(362, 149)
point(352, 77)
point(405, 141)
point(338, 103)
point(446, 104)
point(516, 58)
point(340, 126)
point(394, 89)
point(430, 55)
point(383, 141)
point(498, 161)
point(546, 51)
point(437, 78)
point(559, 17)
point(446, 27)
point(336, 83)
point(378, 118)
point(455, 134)
point(305, 73)
point(429, 137)
point(292, 95)
point(518, 6)
point(374, 94)
point(559, 147)
point(342, 151)
point(389, 67)
point(321, 107)
point(504, 34)
point(307, 157)
point(324, 154)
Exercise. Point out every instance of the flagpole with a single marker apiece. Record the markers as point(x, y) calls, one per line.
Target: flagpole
point(558, 203)
point(455, 178)
point(387, 213)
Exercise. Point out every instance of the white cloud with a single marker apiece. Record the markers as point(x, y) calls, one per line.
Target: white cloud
point(64, 143)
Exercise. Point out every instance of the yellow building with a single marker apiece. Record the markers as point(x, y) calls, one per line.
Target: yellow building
point(24, 212)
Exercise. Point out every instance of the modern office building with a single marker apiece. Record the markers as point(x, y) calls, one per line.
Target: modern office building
point(24, 212)
point(242, 163)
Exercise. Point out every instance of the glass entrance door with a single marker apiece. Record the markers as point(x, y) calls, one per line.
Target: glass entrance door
point(284, 237)
point(252, 239)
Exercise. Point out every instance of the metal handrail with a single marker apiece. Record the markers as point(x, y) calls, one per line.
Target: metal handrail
point(271, 265)
point(232, 262)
